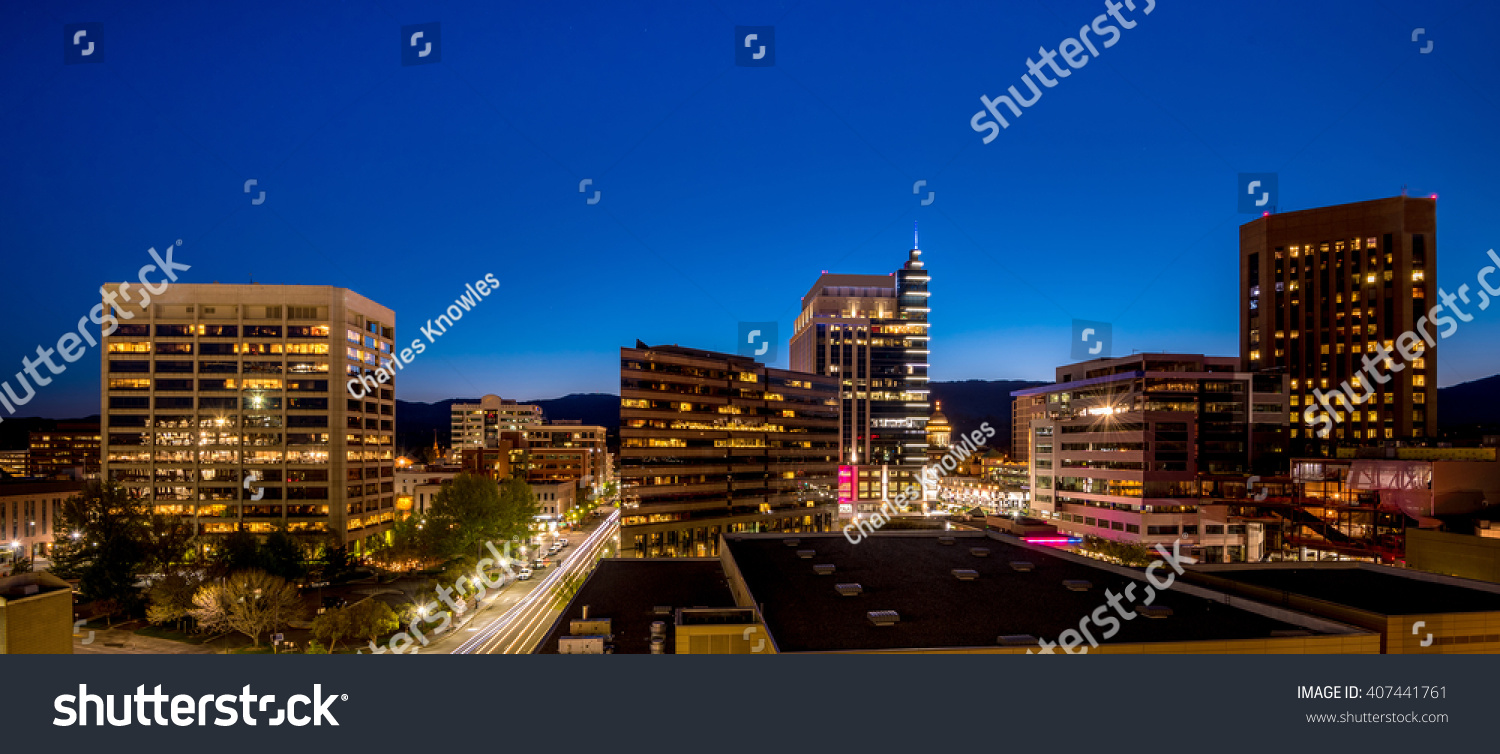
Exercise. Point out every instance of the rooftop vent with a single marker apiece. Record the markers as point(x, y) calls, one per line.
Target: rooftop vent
point(1024, 566)
point(1154, 611)
point(661, 610)
point(945, 540)
point(979, 552)
point(806, 554)
point(849, 590)
point(1077, 585)
point(965, 574)
point(1017, 640)
point(791, 542)
point(823, 569)
point(884, 617)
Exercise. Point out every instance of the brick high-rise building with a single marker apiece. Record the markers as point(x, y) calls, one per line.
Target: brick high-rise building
point(1321, 289)
point(715, 443)
point(216, 383)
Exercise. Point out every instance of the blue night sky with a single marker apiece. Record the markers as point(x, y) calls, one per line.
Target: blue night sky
point(725, 189)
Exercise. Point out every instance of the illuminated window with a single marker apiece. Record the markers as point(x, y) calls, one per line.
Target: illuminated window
point(1418, 380)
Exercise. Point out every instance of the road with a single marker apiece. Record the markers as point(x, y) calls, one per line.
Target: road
point(525, 610)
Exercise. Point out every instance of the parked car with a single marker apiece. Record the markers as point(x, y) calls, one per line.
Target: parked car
point(538, 564)
point(562, 542)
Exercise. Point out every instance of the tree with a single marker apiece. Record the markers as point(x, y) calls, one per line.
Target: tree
point(251, 602)
point(171, 598)
point(371, 619)
point(466, 512)
point(167, 540)
point(281, 555)
point(1133, 554)
point(338, 563)
point(332, 626)
point(518, 510)
point(109, 548)
point(239, 551)
point(411, 547)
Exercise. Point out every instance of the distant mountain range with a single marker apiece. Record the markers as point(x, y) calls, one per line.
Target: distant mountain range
point(417, 423)
point(1466, 411)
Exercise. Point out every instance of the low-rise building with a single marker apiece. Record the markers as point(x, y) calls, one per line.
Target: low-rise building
point(28, 516)
point(36, 615)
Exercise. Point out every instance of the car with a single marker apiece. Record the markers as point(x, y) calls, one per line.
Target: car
point(523, 574)
point(562, 542)
point(538, 564)
point(555, 547)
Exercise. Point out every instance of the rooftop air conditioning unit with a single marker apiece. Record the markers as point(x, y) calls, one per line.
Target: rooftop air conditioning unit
point(806, 554)
point(849, 590)
point(823, 569)
point(1154, 611)
point(884, 617)
point(945, 540)
point(979, 552)
point(1023, 566)
point(965, 574)
point(1077, 585)
point(791, 542)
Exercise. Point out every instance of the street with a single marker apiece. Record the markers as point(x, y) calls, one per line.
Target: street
point(516, 620)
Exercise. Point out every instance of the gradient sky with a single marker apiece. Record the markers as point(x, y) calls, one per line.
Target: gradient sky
point(725, 190)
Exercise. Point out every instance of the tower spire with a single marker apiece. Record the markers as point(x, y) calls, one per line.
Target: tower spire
point(914, 243)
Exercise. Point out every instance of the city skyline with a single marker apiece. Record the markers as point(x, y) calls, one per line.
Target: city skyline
point(1135, 161)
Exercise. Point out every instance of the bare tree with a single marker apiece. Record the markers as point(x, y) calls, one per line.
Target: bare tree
point(250, 602)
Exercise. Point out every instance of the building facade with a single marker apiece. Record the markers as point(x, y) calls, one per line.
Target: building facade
point(1323, 291)
point(475, 424)
point(1135, 449)
point(70, 450)
point(714, 442)
point(28, 516)
point(222, 394)
point(871, 334)
point(1024, 408)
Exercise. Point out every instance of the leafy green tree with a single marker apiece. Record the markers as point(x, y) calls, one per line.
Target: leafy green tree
point(238, 551)
point(518, 511)
point(332, 626)
point(411, 547)
point(168, 541)
point(371, 619)
point(466, 512)
point(338, 563)
point(109, 550)
point(281, 555)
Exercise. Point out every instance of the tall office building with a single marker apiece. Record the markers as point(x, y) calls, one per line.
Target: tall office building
point(714, 443)
point(870, 333)
point(1322, 289)
point(1147, 448)
point(219, 383)
point(474, 424)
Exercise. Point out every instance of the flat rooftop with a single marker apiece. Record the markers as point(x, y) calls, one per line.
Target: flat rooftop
point(627, 590)
point(912, 575)
point(1375, 589)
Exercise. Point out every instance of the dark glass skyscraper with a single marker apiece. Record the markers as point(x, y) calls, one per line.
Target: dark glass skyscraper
point(871, 332)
